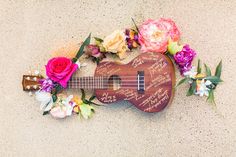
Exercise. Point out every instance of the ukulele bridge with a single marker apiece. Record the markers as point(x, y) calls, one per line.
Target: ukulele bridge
point(141, 82)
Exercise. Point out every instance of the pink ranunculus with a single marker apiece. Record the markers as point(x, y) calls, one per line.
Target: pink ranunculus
point(154, 35)
point(60, 70)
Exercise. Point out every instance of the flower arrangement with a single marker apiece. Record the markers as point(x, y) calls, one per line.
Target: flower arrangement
point(159, 36)
point(59, 71)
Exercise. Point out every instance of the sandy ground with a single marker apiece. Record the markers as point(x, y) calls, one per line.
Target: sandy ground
point(31, 29)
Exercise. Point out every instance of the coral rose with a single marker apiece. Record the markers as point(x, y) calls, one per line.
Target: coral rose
point(154, 35)
point(60, 70)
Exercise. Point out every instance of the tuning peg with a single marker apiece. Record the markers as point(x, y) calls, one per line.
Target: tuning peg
point(35, 78)
point(28, 78)
point(35, 86)
point(27, 87)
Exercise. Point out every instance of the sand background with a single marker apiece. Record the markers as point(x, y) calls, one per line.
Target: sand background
point(31, 29)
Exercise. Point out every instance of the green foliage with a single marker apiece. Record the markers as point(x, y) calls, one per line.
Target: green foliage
point(81, 50)
point(92, 98)
point(136, 27)
point(199, 69)
point(181, 81)
point(208, 71)
point(83, 94)
point(211, 97)
point(218, 69)
point(55, 91)
point(214, 79)
point(54, 98)
point(46, 112)
point(88, 101)
point(192, 88)
point(98, 39)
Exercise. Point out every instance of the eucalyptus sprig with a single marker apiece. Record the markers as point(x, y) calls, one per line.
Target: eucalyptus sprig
point(213, 80)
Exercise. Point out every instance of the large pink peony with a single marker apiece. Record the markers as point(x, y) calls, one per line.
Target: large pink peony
point(60, 70)
point(154, 35)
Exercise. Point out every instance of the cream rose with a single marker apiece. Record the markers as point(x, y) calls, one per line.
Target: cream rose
point(116, 43)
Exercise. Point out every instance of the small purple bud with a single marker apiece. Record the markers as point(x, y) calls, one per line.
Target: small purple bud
point(136, 37)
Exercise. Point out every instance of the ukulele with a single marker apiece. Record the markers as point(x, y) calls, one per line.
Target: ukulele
point(147, 82)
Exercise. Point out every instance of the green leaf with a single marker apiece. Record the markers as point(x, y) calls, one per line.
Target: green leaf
point(81, 50)
point(83, 95)
point(92, 98)
point(208, 70)
point(199, 69)
point(54, 98)
point(192, 88)
point(98, 39)
point(58, 88)
point(95, 104)
point(135, 25)
point(218, 69)
point(46, 112)
point(214, 79)
point(211, 97)
point(181, 82)
point(86, 101)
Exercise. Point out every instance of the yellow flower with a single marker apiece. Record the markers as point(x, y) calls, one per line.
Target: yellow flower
point(116, 43)
point(78, 102)
point(198, 77)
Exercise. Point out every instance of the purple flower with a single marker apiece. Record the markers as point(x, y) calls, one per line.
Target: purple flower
point(94, 51)
point(46, 85)
point(131, 37)
point(136, 37)
point(184, 58)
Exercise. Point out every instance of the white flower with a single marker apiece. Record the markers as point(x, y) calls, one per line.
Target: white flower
point(191, 73)
point(69, 105)
point(45, 99)
point(202, 88)
point(63, 107)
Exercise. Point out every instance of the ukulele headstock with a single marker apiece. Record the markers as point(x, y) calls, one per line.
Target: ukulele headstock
point(31, 82)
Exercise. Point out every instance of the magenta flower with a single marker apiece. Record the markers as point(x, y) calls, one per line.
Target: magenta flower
point(184, 59)
point(60, 70)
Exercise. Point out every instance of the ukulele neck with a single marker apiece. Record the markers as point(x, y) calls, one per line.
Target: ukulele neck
point(89, 82)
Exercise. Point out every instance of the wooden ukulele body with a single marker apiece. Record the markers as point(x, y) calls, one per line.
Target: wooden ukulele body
point(159, 81)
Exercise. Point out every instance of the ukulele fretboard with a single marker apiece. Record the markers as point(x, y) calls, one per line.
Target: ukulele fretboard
point(89, 82)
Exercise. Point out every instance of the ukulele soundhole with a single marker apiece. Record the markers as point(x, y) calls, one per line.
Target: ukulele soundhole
point(114, 82)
